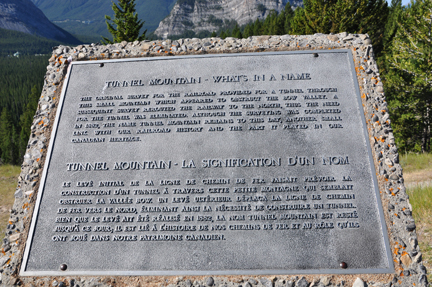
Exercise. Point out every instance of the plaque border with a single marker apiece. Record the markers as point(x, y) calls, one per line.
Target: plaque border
point(29, 240)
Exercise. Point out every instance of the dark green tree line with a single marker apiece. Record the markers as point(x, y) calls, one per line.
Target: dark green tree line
point(408, 78)
point(21, 84)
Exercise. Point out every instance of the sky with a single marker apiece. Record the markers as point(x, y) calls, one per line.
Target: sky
point(404, 2)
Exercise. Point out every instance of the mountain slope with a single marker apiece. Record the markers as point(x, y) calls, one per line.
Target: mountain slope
point(211, 15)
point(27, 44)
point(86, 17)
point(24, 16)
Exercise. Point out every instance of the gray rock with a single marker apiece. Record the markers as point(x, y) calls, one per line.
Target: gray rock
point(209, 281)
point(411, 227)
point(358, 283)
point(325, 281)
point(302, 283)
point(394, 177)
point(266, 282)
point(18, 193)
point(3, 260)
point(367, 42)
point(253, 281)
point(146, 46)
point(423, 280)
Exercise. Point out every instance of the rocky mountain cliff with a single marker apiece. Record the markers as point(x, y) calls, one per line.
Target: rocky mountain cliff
point(24, 16)
point(210, 15)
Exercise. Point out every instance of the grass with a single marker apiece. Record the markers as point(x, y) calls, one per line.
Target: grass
point(412, 162)
point(8, 182)
point(421, 201)
point(418, 180)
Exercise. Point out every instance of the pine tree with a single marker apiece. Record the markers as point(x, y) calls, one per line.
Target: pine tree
point(409, 81)
point(126, 21)
point(15, 141)
point(315, 17)
point(335, 16)
point(392, 22)
point(6, 142)
point(288, 13)
point(236, 33)
point(26, 120)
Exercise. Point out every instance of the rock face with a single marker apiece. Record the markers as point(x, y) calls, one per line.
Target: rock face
point(24, 16)
point(201, 15)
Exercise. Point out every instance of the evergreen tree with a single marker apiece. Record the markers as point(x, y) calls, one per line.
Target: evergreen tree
point(127, 24)
point(288, 13)
point(257, 28)
point(392, 22)
point(6, 142)
point(409, 80)
point(390, 29)
point(15, 142)
point(26, 121)
point(335, 16)
point(236, 33)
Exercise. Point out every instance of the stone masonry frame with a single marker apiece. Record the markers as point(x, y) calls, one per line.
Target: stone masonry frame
point(409, 270)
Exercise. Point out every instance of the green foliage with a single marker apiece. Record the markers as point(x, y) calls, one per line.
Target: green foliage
point(395, 11)
point(6, 137)
point(236, 32)
point(420, 199)
point(26, 120)
point(413, 162)
point(335, 16)
point(23, 77)
point(17, 81)
point(13, 41)
point(409, 78)
point(128, 26)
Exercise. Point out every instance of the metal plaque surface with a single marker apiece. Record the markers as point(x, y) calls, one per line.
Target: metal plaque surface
point(217, 164)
